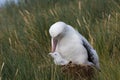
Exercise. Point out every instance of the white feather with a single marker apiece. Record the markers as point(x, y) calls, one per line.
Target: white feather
point(58, 60)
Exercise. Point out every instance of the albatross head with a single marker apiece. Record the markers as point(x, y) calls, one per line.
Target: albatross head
point(55, 55)
point(56, 31)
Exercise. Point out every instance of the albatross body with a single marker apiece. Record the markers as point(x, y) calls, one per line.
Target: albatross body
point(72, 45)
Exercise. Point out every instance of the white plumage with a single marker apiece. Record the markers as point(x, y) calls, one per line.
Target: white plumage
point(72, 45)
point(58, 60)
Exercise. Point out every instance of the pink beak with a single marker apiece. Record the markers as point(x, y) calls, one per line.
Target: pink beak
point(54, 44)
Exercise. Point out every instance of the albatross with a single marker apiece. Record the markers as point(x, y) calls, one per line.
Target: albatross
point(72, 46)
point(58, 60)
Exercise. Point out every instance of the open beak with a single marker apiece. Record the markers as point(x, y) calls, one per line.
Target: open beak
point(54, 44)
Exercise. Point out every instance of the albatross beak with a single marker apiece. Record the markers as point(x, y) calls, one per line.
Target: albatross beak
point(54, 44)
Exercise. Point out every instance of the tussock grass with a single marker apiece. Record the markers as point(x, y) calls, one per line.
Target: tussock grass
point(25, 41)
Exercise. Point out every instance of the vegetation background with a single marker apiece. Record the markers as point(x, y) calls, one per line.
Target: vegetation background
point(25, 41)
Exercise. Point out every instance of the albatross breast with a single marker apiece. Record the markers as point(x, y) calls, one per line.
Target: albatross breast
point(70, 46)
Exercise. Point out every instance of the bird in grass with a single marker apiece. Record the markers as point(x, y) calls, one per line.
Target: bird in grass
point(72, 45)
point(58, 60)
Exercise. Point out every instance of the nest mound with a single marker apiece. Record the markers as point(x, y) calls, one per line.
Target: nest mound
point(80, 72)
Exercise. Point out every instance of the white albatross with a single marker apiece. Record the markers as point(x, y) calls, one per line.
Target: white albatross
point(72, 45)
point(58, 60)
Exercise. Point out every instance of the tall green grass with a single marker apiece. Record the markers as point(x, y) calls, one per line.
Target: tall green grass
point(25, 41)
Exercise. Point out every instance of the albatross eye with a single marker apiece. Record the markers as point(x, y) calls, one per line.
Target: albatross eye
point(55, 54)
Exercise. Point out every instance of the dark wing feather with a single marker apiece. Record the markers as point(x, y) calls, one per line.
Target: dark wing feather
point(88, 48)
